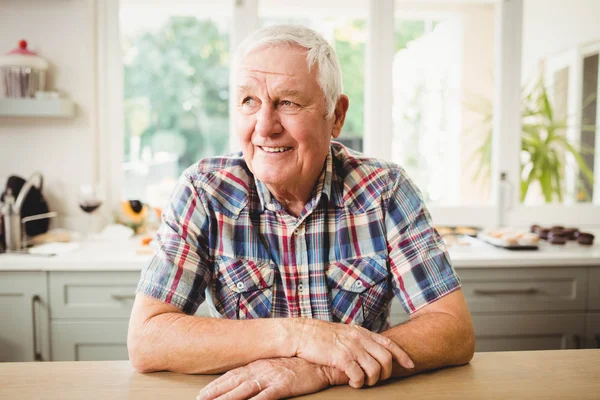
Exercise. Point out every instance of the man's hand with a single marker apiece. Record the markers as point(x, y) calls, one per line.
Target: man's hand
point(273, 379)
point(351, 349)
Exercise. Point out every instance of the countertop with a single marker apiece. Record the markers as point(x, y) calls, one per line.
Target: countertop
point(121, 256)
point(558, 374)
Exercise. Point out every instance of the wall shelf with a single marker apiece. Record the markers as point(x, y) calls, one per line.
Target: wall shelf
point(31, 107)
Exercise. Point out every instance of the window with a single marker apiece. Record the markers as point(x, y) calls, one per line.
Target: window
point(428, 81)
point(344, 27)
point(176, 78)
point(442, 95)
point(560, 109)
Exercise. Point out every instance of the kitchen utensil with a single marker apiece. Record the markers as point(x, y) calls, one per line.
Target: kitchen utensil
point(29, 201)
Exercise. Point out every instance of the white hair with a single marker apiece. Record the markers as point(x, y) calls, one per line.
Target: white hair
point(319, 53)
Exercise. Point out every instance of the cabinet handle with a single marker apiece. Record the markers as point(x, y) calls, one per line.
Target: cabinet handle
point(36, 354)
point(120, 297)
point(485, 292)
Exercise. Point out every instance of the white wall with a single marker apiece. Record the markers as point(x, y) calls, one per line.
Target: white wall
point(62, 31)
point(552, 26)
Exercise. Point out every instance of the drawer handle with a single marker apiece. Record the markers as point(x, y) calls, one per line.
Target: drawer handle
point(37, 355)
point(484, 292)
point(120, 297)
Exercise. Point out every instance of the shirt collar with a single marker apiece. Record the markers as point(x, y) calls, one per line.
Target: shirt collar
point(328, 185)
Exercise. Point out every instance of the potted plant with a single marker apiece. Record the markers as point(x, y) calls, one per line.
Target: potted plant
point(543, 146)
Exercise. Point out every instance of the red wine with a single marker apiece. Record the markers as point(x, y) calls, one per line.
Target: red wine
point(90, 207)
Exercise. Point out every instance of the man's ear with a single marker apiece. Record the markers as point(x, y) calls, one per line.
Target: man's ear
point(341, 108)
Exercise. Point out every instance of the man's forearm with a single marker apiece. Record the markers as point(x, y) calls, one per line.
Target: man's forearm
point(433, 340)
point(200, 345)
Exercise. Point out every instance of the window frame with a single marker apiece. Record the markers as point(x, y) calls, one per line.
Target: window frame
point(108, 118)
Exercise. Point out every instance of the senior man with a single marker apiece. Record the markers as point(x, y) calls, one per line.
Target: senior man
point(299, 245)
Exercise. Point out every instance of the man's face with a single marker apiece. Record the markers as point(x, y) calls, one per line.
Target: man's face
point(281, 119)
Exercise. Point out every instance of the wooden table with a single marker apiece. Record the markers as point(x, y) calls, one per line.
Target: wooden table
point(562, 374)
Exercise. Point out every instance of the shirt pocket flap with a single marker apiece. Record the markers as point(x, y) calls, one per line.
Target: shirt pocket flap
point(357, 274)
point(243, 276)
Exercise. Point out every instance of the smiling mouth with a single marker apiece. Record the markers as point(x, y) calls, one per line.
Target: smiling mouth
point(274, 149)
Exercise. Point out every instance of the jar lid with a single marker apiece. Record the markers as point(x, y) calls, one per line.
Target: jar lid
point(23, 57)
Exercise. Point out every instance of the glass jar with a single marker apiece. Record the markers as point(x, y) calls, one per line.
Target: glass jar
point(22, 72)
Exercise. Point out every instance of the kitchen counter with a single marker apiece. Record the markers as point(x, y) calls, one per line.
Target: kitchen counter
point(560, 374)
point(121, 256)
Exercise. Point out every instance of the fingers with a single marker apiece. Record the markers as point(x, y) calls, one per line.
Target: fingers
point(370, 366)
point(244, 391)
point(383, 357)
point(270, 393)
point(355, 373)
point(399, 355)
point(224, 384)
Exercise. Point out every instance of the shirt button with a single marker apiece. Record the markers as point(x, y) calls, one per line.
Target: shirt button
point(300, 287)
point(358, 284)
point(240, 285)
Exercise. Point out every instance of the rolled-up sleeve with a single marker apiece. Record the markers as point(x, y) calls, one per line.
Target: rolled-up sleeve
point(180, 270)
point(419, 262)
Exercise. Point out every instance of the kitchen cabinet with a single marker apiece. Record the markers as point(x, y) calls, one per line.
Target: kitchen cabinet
point(594, 298)
point(90, 314)
point(24, 317)
point(84, 315)
point(529, 332)
point(593, 331)
point(100, 340)
point(527, 308)
point(92, 295)
point(525, 289)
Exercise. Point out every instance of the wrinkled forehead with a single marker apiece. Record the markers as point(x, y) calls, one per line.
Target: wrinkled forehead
point(270, 63)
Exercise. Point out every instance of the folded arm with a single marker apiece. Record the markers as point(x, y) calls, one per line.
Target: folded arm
point(438, 335)
point(162, 337)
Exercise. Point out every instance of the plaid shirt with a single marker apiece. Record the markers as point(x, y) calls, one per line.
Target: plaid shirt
point(364, 237)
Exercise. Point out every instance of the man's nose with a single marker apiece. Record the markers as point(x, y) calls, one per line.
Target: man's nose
point(267, 122)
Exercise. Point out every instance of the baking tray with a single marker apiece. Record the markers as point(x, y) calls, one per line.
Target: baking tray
point(503, 244)
point(452, 230)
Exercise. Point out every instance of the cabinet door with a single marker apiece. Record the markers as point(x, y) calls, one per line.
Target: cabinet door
point(97, 340)
point(23, 317)
point(529, 332)
point(594, 303)
point(593, 330)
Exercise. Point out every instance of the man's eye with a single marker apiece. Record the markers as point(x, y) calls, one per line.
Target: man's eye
point(287, 103)
point(248, 101)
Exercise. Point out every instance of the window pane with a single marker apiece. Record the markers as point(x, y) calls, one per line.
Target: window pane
point(442, 99)
point(345, 29)
point(176, 72)
point(559, 110)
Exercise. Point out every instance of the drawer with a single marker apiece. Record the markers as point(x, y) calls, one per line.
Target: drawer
point(90, 295)
point(525, 289)
point(594, 303)
point(529, 332)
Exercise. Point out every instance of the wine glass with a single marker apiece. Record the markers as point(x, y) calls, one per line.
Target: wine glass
point(91, 197)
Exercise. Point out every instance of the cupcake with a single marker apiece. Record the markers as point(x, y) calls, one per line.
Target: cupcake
point(586, 239)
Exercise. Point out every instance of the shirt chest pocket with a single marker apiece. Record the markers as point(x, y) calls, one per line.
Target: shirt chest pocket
point(243, 289)
point(359, 289)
